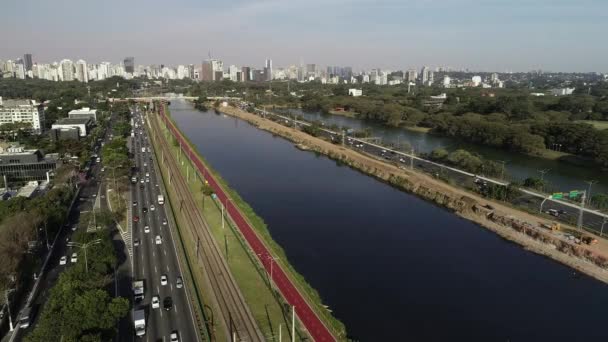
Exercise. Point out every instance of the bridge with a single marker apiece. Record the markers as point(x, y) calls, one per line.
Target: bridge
point(170, 97)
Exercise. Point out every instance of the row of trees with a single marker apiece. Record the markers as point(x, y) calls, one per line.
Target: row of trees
point(80, 308)
point(467, 161)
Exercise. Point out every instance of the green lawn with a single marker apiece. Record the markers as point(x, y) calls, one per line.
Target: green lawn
point(252, 279)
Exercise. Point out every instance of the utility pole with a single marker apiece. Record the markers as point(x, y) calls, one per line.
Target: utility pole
point(580, 213)
point(85, 246)
point(412, 159)
point(590, 182)
point(293, 323)
point(603, 223)
point(502, 171)
point(280, 325)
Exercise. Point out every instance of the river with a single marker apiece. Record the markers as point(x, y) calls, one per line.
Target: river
point(561, 176)
point(393, 267)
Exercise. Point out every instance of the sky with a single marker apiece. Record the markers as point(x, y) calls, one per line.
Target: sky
point(482, 35)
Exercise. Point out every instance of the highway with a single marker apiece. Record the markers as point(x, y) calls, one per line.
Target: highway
point(309, 318)
point(152, 260)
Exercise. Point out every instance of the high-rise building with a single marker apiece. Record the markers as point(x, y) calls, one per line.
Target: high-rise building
point(311, 69)
point(129, 65)
point(411, 75)
point(268, 69)
point(82, 72)
point(210, 70)
point(246, 74)
point(233, 71)
point(27, 60)
point(424, 74)
point(67, 70)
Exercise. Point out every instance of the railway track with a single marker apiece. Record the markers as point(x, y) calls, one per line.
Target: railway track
point(234, 310)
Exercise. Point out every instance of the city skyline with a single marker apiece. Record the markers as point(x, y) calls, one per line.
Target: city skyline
point(479, 35)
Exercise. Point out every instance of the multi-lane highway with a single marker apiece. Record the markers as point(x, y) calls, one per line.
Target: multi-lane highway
point(154, 252)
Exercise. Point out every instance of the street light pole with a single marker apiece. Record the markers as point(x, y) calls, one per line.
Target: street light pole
point(590, 182)
point(85, 246)
point(603, 223)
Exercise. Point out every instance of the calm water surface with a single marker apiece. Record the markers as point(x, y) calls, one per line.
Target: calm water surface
point(561, 176)
point(391, 266)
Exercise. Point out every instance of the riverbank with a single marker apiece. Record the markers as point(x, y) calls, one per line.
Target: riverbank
point(525, 230)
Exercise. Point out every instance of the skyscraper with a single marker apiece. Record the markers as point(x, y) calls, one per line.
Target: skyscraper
point(27, 60)
point(268, 69)
point(210, 69)
point(129, 65)
point(82, 72)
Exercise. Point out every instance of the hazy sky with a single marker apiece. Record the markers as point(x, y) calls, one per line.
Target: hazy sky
point(519, 35)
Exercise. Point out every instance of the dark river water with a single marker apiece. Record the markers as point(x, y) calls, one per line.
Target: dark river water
point(561, 176)
point(391, 266)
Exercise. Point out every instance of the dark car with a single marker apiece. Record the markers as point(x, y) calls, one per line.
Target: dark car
point(141, 186)
point(145, 210)
point(167, 303)
point(135, 218)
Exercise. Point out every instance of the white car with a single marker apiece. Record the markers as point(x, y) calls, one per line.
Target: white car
point(155, 302)
point(74, 258)
point(147, 180)
point(152, 208)
point(163, 280)
point(174, 337)
point(141, 181)
point(103, 169)
point(63, 260)
point(146, 229)
point(158, 240)
point(164, 222)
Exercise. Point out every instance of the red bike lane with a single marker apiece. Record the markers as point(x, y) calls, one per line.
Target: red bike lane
point(307, 316)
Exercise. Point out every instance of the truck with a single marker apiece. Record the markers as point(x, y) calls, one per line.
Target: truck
point(139, 322)
point(138, 290)
point(161, 199)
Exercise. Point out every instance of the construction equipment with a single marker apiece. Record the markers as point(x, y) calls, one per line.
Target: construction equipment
point(553, 226)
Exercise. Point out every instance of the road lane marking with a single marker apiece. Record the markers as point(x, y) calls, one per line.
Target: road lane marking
point(155, 270)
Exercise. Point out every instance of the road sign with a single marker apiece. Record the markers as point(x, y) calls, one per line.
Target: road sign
point(557, 195)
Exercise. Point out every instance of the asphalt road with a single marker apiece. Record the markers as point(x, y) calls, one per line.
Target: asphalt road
point(152, 260)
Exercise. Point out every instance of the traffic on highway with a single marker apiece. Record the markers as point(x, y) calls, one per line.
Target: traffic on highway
point(161, 307)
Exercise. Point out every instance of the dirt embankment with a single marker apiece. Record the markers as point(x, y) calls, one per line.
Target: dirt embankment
point(511, 224)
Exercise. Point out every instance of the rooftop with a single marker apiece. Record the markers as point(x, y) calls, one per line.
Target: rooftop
point(16, 102)
point(85, 110)
point(71, 121)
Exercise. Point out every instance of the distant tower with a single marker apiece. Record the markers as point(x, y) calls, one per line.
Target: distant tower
point(268, 69)
point(129, 65)
point(27, 61)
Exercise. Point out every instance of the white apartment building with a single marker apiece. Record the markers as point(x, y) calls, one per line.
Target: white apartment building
point(12, 111)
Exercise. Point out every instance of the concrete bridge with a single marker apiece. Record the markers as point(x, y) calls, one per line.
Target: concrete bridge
point(170, 97)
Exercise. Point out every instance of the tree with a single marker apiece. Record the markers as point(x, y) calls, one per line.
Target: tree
point(207, 191)
point(600, 201)
point(534, 183)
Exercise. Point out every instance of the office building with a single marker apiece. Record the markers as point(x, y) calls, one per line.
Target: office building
point(268, 70)
point(83, 113)
point(246, 74)
point(12, 111)
point(83, 125)
point(210, 69)
point(18, 164)
point(27, 61)
point(129, 63)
